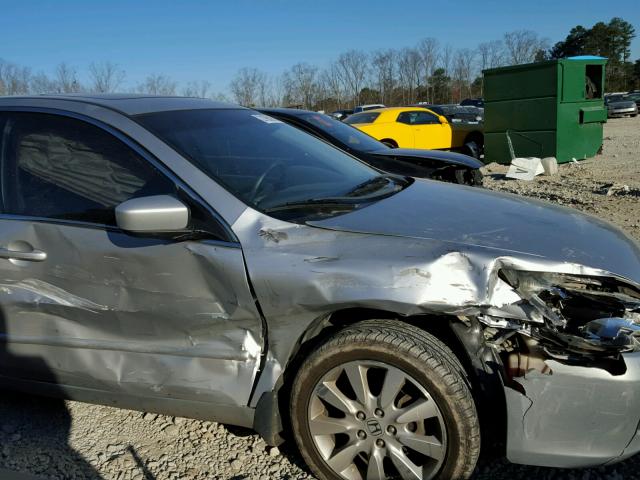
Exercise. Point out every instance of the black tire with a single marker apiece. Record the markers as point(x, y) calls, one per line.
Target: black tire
point(417, 354)
point(390, 143)
point(473, 149)
point(477, 178)
point(468, 176)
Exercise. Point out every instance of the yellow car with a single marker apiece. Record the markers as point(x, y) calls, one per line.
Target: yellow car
point(417, 127)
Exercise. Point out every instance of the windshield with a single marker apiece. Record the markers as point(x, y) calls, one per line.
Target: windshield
point(263, 161)
point(346, 134)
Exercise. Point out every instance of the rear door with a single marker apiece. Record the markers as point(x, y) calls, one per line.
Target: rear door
point(428, 131)
point(89, 307)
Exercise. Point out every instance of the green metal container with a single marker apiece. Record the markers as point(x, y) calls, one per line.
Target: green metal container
point(546, 109)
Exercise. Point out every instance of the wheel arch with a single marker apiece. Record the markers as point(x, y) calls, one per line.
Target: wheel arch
point(464, 336)
point(474, 135)
point(390, 142)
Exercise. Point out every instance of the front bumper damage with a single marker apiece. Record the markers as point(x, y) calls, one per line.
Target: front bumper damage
point(574, 416)
point(571, 356)
point(409, 267)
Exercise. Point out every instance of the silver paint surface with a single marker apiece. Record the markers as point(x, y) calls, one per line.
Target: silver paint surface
point(158, 213)
point(130, 315)
point(575, 417)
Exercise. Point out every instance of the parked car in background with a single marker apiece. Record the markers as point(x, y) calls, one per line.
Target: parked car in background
point(620, 106)
point(364, 108)
point(473, 102)
point(341, 114)
point(192, 258)
point(434, 164)
point(417, 127)
point(456, 113)
point(635, 96)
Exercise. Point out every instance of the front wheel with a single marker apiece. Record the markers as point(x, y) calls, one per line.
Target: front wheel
point(383, 399)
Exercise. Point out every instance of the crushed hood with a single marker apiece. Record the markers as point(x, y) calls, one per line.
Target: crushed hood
point(508, 224)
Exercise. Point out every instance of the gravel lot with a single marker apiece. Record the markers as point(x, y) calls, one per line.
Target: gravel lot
point(59, 440)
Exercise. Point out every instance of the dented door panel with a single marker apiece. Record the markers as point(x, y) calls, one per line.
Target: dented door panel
point(132, 315)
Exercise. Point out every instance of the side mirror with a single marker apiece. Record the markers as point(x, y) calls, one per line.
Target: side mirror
point(159, 213)
point(443, 119)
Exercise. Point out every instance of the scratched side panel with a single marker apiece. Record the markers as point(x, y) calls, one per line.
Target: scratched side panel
point(136, 316)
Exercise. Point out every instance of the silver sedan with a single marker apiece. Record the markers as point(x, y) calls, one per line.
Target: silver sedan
point(205, 260)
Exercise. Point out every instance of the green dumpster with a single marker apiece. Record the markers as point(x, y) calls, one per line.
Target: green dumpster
point(546, 109)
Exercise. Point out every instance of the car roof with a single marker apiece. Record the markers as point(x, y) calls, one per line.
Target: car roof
point(390, 111)
point(393, 109)
point(128, 104)
point(293, 112)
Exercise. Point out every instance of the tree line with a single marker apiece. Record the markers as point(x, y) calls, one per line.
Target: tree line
point(426, 72)
point(611, 40)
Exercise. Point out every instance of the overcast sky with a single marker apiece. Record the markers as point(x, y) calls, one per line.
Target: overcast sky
point(191, 40)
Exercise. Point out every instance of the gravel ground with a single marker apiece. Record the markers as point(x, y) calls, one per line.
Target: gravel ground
point(70, 440)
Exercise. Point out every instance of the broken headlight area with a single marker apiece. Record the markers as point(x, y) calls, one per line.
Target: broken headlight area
point(569, 317)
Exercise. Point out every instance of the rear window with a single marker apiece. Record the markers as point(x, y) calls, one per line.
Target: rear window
point(349, 136)
point(364, 117)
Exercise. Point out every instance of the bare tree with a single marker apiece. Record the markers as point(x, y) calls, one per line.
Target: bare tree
point(220, 97)
point(106, 77)
point(301, 84)
point(409, 73)
point(446, 58)
point(274, 93)
point(66, 79)
point(333, 85)
point(463, 71)
point(384, 73)
point(14, 80)
point(157, 84)
point(247, 85)
point(428, 48)
point(523, 45)
point(353, 67)
point(41, 83)
point(491, 54)
point(199, 89)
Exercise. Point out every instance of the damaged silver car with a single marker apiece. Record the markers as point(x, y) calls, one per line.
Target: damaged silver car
point(200, 259)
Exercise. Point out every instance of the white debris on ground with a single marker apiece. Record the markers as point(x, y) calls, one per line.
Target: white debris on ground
point(525, 168)
point(70, 440)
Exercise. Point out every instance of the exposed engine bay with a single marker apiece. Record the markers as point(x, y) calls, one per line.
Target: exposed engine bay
point(570, 347)
point(580, 320)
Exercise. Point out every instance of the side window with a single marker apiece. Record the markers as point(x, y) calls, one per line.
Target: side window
point(62, 168)
point(406, 117)
point(425, 118)
point(417, 118)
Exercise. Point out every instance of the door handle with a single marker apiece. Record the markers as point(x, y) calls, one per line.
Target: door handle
point(32, 256)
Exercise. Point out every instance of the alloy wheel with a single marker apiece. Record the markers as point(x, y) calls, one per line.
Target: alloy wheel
point(370, 420)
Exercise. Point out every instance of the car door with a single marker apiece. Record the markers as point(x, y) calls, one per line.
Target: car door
point(429, 133)
point(89, 307)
